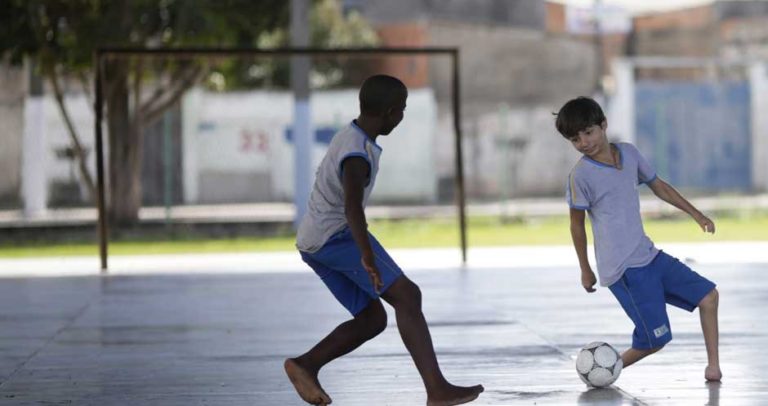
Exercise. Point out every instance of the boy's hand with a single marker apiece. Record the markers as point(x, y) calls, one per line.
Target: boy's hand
point(588, 281)
point(707, 225)
point(370, 266)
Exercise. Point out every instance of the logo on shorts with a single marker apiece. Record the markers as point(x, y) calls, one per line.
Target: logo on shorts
point(660, 331)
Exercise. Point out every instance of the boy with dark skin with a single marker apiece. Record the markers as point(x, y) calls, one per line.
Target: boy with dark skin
point(333, 239)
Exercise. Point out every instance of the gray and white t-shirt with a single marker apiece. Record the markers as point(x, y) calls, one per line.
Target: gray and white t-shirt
point(611, 198)
point(325, 215)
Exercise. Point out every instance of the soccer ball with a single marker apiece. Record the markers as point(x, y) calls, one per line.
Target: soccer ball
point(598, 364)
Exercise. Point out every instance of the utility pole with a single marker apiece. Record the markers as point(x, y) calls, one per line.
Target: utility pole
point(597, 11)
point(302, 117)
point(33, 182)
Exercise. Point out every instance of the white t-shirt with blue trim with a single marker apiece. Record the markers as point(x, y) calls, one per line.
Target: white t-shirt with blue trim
point(610, 197)
point(325, 215)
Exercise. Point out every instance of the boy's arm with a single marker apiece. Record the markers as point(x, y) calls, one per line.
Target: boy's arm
point(668, 194)
point(355, 173)
point(579, 236)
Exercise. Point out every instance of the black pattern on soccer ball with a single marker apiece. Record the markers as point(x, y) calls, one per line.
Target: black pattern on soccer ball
point(598, 364)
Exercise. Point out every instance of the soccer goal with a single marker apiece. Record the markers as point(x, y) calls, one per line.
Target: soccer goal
point(193, 141)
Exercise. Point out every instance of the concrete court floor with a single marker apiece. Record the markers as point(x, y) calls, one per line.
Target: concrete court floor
point(220, 339)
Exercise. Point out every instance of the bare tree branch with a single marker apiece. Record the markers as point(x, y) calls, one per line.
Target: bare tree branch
point(138, 112)
point(159, 92)
point(172, 95)
point(77, 147)
point(85, 83)
point(164, 90)
point(48, 66)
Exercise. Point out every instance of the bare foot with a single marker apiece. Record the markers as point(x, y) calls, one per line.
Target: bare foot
point(306, 383)
point(712, 373)
point(455, 395)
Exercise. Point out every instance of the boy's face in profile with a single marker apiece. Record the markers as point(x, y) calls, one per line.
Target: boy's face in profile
point(591, 140)
point(394, 116)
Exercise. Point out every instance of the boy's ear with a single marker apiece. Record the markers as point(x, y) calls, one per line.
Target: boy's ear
point(604, 125)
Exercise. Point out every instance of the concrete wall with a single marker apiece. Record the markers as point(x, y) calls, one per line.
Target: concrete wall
point(731, 30)
point(509, 62)
point(556, 18)
point(513, 66)
point(529, 14)
point(236, 147)
point(740, 9)
point(413, 70)
point(744, 38)
point(682, 19)
point(759, 81)
point(695, 42)
point(529, 72)
point(61, 171)
point(516, 152)
point(13, 88)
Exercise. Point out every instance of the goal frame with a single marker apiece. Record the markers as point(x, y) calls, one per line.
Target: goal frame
point(105, 53)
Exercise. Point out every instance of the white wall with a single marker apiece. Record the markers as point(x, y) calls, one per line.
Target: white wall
point(12, 83)
point(243, 134)
point(758, 76)
point(516, 152)
point(620, 111)
point(57, 136)
point(44, 134)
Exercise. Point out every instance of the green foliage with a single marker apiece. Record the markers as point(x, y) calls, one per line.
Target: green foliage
point(329, 28)
point(66, 32)
point(60, 36)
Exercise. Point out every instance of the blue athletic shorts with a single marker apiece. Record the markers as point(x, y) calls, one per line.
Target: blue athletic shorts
point(644, 291)
point(338, 264)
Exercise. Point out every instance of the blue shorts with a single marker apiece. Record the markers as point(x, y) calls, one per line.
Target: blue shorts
point(644, 291)
point(338, 264)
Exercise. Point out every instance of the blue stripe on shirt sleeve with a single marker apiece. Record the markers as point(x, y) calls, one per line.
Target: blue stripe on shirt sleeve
point(351, 155)
point(650, 180)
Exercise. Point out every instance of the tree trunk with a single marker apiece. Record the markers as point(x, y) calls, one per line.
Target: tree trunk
point(125, 147)
point(126, 122)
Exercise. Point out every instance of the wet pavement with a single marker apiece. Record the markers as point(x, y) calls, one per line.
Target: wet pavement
point(220, 337)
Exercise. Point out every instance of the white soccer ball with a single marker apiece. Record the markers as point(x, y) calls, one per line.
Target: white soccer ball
point(598, 364)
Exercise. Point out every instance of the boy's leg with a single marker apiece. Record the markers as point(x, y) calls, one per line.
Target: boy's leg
point(633, 355)
point(405, 298)
point(303, 370)
point(708, 315)
point(641, 294)
point(687, 290)
point(346, 337)
point(369, 319)
point(338, 264)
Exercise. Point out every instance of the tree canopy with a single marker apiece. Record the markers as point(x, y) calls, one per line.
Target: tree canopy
point(68, 31)
point(60, 36)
